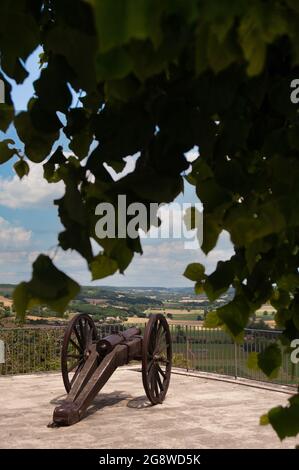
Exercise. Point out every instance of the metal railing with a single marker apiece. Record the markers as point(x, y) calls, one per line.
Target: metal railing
point(214, 351)
point(37, 349)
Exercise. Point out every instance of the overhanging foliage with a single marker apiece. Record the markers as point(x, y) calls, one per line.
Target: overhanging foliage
point(160, 77)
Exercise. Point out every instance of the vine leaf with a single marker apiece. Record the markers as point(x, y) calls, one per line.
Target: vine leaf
point(195, 272)
point(37, 144)
point(130, 20)
point(252, 361)
point(235, 315)
point(219, 281)
point(102, 266)
point(6, 153)
point(270, 360)
point(284, 420)
point(48, 286)
point(212, 320)
point(21, 168)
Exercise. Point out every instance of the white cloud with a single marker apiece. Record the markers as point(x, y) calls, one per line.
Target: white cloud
point(13, 254)
point(12, 237)
point(162, 264)
point(10, 257)
point(32, 191)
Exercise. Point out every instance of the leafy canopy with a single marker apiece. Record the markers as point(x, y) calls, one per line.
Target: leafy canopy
point(160, 77)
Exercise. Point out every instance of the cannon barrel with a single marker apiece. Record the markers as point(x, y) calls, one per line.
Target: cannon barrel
point(107, 344)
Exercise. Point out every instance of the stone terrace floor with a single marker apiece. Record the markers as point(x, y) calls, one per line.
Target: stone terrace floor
point(197, 413)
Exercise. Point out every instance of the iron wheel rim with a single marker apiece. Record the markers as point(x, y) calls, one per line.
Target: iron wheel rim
point(156, 358)
point(80, 334)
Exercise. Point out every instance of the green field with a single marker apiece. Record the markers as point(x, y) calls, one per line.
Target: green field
point(98, 311)
point(185, 316)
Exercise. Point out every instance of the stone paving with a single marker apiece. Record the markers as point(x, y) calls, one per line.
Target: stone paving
point(197, 413)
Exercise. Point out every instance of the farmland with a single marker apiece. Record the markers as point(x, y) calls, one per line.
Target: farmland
point(179, 314)
point(6, 302)
point(121, 305)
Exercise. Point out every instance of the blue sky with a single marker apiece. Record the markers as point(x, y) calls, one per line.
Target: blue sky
point(29, 225)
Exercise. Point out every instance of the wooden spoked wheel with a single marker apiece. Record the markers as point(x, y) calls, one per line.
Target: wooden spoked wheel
point(156, 358)
point(78, 338)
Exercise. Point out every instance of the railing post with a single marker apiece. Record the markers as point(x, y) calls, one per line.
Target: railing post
point(2, 352)
point(187, 348)
point(236, 361)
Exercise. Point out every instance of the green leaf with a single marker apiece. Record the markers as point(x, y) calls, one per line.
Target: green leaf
point(270, 360)
point(152, 186)
point(252, 42)
point(120, 250)
point(21, 168)
point(195, 272)
point(199, 287)
point(293, 4)
point(73, 38)
point(288, 282)
point(264, 420)
point(259, 27)
point(246, 225)
point(212, 320)
point(52, 88)
point(254, 251)
point(102, 266)
point(124, 20)
point(211, 194)
point(50, 172)
point(201, 56)
point(48, 286)
point(220, 280)
point(285, 420)
point(37, 144)
point(280, 298)
point(211, 232)
point(114, 64)
point(5, 152)
point(19, 33)
point(252, 361)
point(235, 315)
point(44, 120)
point(221, 53)
point(81, 143)
point(122, 90)
point(73, 213)
point(6, 116)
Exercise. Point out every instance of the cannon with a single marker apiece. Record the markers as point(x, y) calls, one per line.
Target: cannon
point(87, 362)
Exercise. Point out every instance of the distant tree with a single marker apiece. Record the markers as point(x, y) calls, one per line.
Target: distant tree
point(141, 315)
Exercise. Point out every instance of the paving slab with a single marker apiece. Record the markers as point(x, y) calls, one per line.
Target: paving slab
point(197, 413)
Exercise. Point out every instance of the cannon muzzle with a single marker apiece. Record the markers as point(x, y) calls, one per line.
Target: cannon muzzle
point(108, 343)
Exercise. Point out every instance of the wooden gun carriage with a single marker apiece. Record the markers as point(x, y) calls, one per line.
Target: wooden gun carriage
point(88, 362)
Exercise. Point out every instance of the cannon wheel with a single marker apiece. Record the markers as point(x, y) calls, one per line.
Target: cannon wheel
point(156, 358)
point(78, 337)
